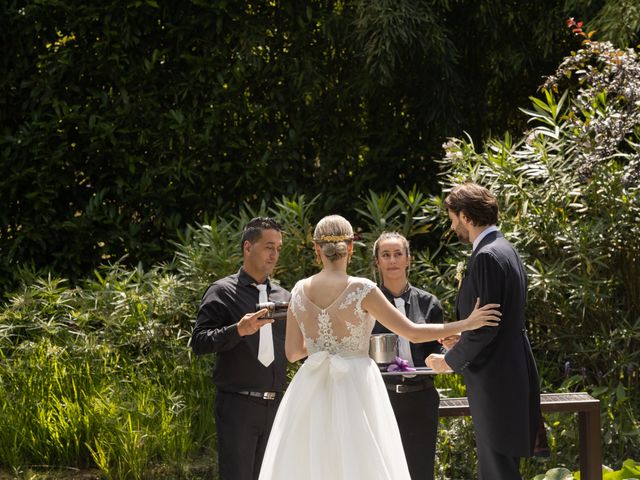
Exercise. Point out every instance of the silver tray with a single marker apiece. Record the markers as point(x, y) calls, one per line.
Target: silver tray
point(419, 371)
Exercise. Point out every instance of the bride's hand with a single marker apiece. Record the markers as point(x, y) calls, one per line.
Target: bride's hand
point(486, 316)
point(449, 342)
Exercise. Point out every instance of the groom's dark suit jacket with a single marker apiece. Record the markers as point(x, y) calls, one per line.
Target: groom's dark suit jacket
point(497, 362)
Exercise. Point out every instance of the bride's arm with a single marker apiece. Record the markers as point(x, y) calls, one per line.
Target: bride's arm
point(377, 305)
point(294, 345)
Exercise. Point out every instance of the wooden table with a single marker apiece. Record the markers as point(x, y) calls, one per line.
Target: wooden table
point(588, 409)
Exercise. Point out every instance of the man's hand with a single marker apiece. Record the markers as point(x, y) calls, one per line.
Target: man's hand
point(437, 363)
point(450, 341)
point(251, 322)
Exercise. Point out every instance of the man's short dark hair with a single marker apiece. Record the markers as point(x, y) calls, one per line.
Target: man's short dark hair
point(253, 230)
point(477, 203)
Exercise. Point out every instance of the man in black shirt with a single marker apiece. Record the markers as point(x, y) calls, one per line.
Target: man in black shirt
point(249, 388)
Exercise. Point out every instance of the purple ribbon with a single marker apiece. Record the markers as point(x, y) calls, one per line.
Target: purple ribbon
point(400, 365)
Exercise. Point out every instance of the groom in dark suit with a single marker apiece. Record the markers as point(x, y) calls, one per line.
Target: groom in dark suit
point(497, 363)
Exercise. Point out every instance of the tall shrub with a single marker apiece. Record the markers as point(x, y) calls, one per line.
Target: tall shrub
point(122, 122)
point(569, 193)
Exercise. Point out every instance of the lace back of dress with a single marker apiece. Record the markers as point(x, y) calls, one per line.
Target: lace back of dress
point(342, 327)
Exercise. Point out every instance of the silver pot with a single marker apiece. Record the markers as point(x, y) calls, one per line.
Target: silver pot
point(383, 348)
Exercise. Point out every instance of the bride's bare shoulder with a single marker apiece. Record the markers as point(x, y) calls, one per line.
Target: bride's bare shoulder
point(311, 283)
point(311, 280)
point(361, 281)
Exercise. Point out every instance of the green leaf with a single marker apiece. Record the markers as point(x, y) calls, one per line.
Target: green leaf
point(559, 473)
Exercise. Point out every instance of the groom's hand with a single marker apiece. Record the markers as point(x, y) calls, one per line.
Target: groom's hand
point(437, 363)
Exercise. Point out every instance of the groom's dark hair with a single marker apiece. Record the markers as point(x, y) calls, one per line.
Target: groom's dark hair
point(478, 204)
point(253, 231)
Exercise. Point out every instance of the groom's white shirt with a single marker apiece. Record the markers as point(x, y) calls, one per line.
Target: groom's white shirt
point(484, 233)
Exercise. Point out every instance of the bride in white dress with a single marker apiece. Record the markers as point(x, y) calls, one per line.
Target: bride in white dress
point(335, 421)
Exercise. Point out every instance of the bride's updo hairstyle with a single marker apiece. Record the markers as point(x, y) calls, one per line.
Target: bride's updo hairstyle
point(333, 234)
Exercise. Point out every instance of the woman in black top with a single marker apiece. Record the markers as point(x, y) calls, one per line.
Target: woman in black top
point(414, 399)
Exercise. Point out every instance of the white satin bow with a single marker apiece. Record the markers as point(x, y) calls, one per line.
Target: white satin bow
point(338, 366)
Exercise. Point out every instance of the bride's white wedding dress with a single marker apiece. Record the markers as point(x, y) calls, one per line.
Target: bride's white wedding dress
point(335, 421)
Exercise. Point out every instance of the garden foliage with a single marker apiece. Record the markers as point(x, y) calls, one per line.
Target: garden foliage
point(569, 191)
point(99, 373)
point(123, 121)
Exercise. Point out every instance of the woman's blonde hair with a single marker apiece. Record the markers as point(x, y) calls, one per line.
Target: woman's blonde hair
point(333, 234)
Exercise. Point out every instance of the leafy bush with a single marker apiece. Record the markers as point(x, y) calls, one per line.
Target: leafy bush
point(100, 373)
point(630, 471)
point(122, 122)
point(570, 202)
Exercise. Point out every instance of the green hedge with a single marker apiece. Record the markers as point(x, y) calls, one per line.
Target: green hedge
point(99, 372)
point(122, 122)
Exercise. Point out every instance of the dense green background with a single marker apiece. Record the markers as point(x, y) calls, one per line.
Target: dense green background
point(123, 121)
point(155, 131)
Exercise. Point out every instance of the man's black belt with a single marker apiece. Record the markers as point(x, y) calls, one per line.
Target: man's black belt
point(262, 395)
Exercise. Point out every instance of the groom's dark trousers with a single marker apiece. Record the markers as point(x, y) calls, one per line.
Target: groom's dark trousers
point(493, 465)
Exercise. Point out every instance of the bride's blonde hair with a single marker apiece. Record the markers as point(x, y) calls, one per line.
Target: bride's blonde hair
point(333, 234)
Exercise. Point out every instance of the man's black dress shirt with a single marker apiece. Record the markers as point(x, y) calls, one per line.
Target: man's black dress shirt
point(237, 367)
point(421, 307)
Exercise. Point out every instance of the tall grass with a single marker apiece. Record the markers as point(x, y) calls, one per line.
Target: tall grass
point(100, 375)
